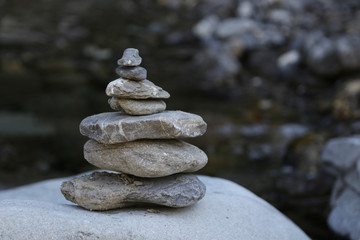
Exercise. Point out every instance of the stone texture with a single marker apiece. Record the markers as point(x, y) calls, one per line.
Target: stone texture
point(344, 155)
point(132, 73)
point(228, 211)
point(130, 58)
point(137, 107)
point(345, 215)
point(113, 127)
point(124, 88)
point(115, 105)
point(146, 158)
point(343, 152)
point(105, 191)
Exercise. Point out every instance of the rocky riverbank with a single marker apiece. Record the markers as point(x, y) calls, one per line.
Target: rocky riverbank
point(274, 80)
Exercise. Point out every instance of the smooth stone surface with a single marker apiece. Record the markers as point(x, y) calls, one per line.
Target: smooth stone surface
point(106, 191)
point(124, 88)
point(137, 107)
point(345, 215)
point(146, 158)
point(113, 127)
point(228, 211)
point(132, 73)
point(343, 152)
point(130, 57)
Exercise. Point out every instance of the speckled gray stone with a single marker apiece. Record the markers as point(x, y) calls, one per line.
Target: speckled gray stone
point(132, 73)
point(137, 107)
point(130, 58)
point(115, 127)
point(105, 191)
point(227, 211)
point(146, 158)
point(124, 88)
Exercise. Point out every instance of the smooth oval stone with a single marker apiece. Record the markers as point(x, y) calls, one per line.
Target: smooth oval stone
point(124, 88)
point(105, 191)
point(132, 73)
point(137, 107)
point(116, 127)
point(130, 57)
point(146, 158)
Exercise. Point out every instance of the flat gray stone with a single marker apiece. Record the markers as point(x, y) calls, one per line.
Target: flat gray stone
point(137, 107)
point(343, 152)
point(146, 158)
point(114, 127)
point(106, 191)
point(130, 58)
point(228, 211)
point(124, 88)
point(132, 73)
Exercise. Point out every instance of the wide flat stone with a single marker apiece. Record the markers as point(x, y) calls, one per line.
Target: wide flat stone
point(146, 158)
point(105, 191)
point(124, 88)
point(115, 127)
point(228, 211)
point(132, 73)
point(137, 107)
point(130, 57)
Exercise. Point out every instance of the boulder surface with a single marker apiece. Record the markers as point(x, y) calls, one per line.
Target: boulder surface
point(228, 211)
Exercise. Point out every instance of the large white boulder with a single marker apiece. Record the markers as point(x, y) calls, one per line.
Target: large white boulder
point(228, 211)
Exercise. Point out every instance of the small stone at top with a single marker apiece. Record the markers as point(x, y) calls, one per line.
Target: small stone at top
point(130, 58)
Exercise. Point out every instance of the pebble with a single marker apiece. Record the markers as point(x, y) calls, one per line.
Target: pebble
point(137, 107)
point(105, 191)
point(130, 58)
point(146, 158)
point(132, 73)
point(115, 127)
point(124, 88)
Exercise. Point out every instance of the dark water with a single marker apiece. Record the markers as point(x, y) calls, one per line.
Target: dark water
point(58, 56)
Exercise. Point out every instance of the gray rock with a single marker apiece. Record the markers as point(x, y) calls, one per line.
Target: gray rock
point(40, 211)
point(115, 105)
point(352, 180)
point(106, 191)
point(206, 27)
point(144, 89)
point(348, 51)
point(146, 158)
point(219, 65)
point(132, 73)
point(137, 107)
point(345, 215)
point(236, 26)
point(130, 58)
point(321, 54)
point(113, 127)
point(343, 153)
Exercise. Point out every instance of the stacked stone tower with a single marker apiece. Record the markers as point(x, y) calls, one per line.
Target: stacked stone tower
point(141, 144)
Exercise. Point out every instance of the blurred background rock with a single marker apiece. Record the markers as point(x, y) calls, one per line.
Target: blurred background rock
point(274, 80)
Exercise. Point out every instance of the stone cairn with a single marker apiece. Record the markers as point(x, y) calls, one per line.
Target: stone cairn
point(141, 143)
